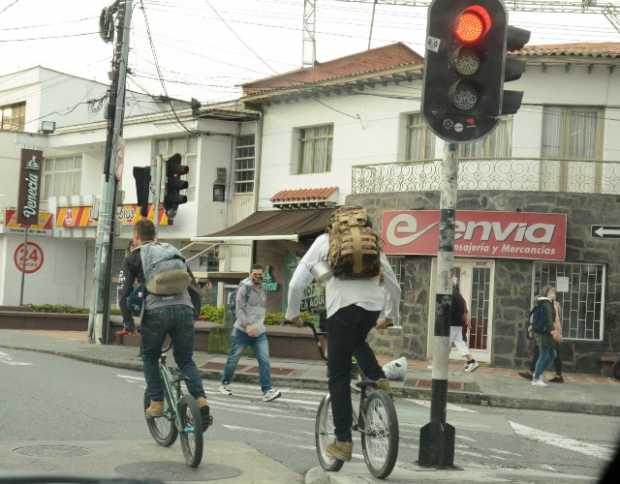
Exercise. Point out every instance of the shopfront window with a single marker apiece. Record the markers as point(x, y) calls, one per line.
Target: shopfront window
point(580, 293)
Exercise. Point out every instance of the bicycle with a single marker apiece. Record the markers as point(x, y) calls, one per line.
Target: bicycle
point(375, 419)
point(181, 415)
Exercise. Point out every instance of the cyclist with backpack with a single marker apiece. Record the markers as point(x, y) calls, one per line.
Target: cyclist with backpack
point(362, 293)
point(249, 330)
point(164, 280)
point(543, 319)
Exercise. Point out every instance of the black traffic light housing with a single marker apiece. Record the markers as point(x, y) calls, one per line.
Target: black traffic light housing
point(465, 66)
point(174, 185)
point(142, 175)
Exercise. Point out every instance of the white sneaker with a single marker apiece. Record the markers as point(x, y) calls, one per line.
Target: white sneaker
point(471, 366)
point(225, 389)
point(539, 383)
point(272, 394)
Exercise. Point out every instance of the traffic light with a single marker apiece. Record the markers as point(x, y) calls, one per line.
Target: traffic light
point(174, 185)
point(142, 175)
point(465, 66)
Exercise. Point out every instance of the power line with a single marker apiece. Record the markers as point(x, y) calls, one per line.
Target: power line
point(161, 80)
point(8, 6)
point(239, 37)
point(64, 36)
point(25, 27)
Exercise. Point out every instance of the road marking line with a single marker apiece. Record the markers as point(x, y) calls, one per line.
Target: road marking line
point(463, 437)
point(473, 454)
point(506, 452)
point(131, 377)
point(450, 406)
point(548, 467)
point(8, 360)
point(237, 428)
point(227, 408)
point(561, 441)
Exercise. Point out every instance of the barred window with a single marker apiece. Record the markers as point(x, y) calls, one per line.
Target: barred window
point(244, 164)
point(187, 147)
point(580, 294)
point(420, 139)
point(315, 149)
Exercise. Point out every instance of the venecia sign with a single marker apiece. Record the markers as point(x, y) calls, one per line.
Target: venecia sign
point(505, 235)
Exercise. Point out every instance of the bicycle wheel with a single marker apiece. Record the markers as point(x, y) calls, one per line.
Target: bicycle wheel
point(380, 434)
point(191, 431)
point(163, 429)
point(324, 435)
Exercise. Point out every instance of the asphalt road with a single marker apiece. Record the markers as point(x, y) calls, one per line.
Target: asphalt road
point(52, 399)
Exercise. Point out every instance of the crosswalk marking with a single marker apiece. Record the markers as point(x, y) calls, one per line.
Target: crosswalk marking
point(7, 359)
point(450, 406)
point(561, 441)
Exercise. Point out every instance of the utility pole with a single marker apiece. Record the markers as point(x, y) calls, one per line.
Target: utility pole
point(99, 318)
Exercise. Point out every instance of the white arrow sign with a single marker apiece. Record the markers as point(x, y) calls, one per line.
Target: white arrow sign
point(607, 231)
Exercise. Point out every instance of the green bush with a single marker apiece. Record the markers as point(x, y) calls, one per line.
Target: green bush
point(273, 319)
point(56, 308)
point(211, 313)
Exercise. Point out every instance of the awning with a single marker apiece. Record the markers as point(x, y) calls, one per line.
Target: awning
point(273, 225)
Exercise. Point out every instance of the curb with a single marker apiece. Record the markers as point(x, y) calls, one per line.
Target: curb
point(459, 397)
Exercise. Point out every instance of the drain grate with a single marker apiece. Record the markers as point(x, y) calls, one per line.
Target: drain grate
point(49, 450)
point(177, 472)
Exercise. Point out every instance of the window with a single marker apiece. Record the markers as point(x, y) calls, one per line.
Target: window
point(13, 117)
point(187, 147)
point(571, 133)
point(315, 149)
point(420, 139)
point(580, 293)
point(62, 177)
point(244, 164)
point(497, 145)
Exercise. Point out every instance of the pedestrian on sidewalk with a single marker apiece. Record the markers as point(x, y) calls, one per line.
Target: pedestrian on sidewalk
point(356, 302)
point(459, 321)
point(249, 330)
point(544, 324)
point(557, 337)
point(157, 268)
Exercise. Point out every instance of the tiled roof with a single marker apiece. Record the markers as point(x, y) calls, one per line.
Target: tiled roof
point(580, 49)
point(374, 60)
point(304, 194)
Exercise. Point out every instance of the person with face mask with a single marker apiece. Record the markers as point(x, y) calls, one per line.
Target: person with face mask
point(459, 317)
point(249, 330)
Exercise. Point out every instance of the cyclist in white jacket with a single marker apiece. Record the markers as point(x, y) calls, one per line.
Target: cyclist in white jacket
point(354, 307)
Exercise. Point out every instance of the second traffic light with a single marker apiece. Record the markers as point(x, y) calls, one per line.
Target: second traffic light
point(174, 185)
point(466, 66)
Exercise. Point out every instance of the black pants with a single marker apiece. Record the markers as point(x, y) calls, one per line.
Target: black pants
point(347, 330)
point(557, 362)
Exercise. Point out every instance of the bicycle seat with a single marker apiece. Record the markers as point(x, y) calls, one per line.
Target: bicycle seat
point(365, 383)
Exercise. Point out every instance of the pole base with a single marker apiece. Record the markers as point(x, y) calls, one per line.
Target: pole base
point(436, 445)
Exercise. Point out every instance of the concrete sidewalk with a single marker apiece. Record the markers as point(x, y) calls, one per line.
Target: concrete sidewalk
point(497, 387)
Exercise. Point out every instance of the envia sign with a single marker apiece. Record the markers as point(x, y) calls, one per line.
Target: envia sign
point(29, 187)
point(505, 235)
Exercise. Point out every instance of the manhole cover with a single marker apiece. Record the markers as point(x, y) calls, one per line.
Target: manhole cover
point(52, 450)
point(175, 471)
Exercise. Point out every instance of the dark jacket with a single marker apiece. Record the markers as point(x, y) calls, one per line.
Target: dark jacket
point(131, 272)
point(545, 339)
point(459, 309)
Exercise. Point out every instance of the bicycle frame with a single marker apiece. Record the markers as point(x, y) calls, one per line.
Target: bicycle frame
point(172, 390)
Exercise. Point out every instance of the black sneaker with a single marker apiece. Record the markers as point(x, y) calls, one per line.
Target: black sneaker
point(526, 374)
point(557, 379)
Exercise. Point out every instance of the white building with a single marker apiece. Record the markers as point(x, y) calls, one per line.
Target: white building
point(210, 142)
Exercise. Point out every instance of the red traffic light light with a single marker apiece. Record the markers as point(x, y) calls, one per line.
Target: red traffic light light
point(472, 25)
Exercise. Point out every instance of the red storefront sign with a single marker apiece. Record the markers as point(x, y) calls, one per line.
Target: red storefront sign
point(505, 235)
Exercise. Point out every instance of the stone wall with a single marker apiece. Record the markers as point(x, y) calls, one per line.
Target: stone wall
point(513, 278)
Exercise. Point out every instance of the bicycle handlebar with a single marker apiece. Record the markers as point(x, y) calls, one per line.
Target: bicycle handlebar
point(315, 334)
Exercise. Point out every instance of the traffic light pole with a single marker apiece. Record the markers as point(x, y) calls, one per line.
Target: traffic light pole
point(98, 328)
point(437, 437)
point(159, 163)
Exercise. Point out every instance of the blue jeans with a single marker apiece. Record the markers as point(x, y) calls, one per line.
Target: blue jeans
point(178, 322)
point(260, 346)
point(546, 354)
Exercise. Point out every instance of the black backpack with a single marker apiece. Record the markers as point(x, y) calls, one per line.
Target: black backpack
point(538, 319)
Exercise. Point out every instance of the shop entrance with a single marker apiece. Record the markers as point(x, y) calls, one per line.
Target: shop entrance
point(476, 283)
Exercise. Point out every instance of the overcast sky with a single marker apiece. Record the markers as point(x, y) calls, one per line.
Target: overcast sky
point(202, 58)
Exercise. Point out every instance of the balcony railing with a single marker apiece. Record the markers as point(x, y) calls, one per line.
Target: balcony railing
point(513, 174)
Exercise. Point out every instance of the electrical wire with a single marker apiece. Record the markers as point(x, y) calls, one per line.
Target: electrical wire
point(8, 6)
point(48, 37)
point(161, 79)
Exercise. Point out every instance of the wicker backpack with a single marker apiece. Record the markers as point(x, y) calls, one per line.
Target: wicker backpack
point(354, 246)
